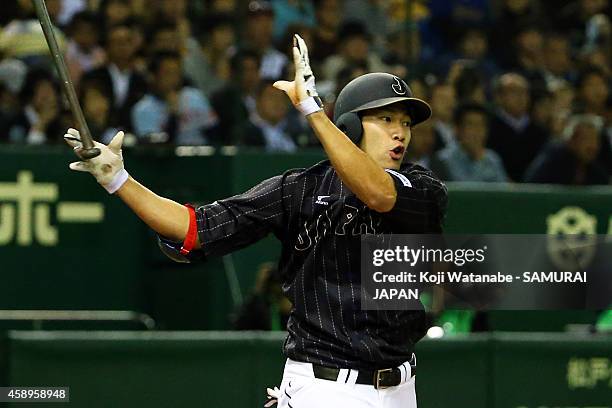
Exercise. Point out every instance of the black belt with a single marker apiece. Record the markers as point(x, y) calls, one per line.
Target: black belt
point(388, 377)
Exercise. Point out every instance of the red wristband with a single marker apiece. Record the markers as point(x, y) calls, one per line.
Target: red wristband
point(192, 232)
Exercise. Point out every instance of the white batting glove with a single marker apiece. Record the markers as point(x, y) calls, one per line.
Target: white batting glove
point(302, 90)
point(107, 168)
point(273, 396)
point(304, 77)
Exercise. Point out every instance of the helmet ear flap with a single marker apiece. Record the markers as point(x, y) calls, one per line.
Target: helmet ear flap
point(350, 124)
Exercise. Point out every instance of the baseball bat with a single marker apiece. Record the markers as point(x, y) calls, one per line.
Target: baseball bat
point(88, 150)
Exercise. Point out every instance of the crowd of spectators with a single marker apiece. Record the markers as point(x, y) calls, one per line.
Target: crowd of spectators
point(520, 89)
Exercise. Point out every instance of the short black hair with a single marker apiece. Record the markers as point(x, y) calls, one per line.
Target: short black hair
point(95, 83)
point(32, 79)
point(159, 57)
point(84, 17)
point(463, 109)
point(152, 30)
point(238, 58)
point(470, 79)
point(587, 72)
point(210, 22)
point(351, 29)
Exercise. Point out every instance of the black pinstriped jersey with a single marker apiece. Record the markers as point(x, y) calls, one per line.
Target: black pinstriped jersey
point(319, 223)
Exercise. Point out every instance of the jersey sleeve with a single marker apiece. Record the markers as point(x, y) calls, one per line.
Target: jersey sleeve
point(421, 201)
point(235, 222)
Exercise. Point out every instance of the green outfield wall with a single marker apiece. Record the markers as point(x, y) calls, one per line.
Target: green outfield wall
point(229, 369)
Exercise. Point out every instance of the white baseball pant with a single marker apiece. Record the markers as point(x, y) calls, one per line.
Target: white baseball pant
point(300, 389)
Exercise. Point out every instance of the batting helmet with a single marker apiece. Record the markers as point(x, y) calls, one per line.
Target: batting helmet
point(371, 91)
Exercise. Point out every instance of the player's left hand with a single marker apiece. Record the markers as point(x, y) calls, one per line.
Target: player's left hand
point(107, 168)
point(303, 86)
point(273, 396)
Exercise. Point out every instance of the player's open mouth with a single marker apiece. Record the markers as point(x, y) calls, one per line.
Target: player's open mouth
point(397, 153)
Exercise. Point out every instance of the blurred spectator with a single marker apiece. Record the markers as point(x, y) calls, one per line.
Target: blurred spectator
point(325, 37)
point(172, 112)
point(69, 9)
point(372, 15)
point(119, 73)
point(12, 76)
point(593, 97)
point(443, 102)
point(288, 12)
point(513, 15)
point(39, 121)
point(422, 143)
point(558, 62)
point(472, 49)
point(470, 84)
point(97, 103)
point(474, 46)
point(235, 101)
point(541, 110)
point(593, 92)
point(598, 57)
point(404, 54)
point(258, 37)
point(528, 59)
point(163, 37)
point(562, 103)
point(174, 12)
point(598, 30)
point(354, 48)
point(207, 60)
point(140, 60)
point(563, 97)
point(23, 37)
point(597, 49)
point(114, 12)
point(573, 161)
point(198, 65)
point(512, 134)
point(267, 308)
point(574, 17)
point(84, 52)
point(271, 125)
point(469, 159)
point(448, 17)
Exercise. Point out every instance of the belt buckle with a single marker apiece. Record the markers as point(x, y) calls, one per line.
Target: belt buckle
point(377, 374)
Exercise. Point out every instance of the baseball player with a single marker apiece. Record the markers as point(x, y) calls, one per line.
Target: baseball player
point(338, 355)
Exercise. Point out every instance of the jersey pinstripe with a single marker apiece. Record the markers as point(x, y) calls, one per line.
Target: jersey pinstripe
point(319, 223)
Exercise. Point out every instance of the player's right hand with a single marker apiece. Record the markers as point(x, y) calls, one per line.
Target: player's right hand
point(302, 88)
point(108, 167)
